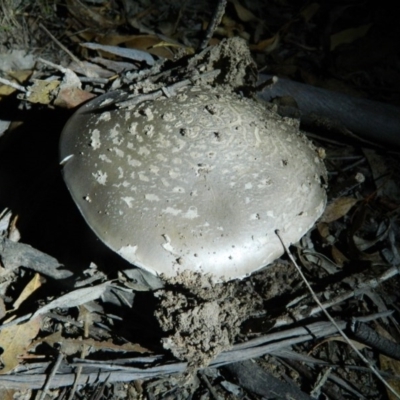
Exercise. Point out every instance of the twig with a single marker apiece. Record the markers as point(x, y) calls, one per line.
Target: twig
point(210, 388)
point(99, 394)
point(168, 91)
point(16, 321)
point(78, 372)
point(12, 84)
point(215, 20)
point(52, 65)
point(363, 286)
point(345, 337)
point(42, 394)
point(321, 380)
point(76, 59)
point(305, 371)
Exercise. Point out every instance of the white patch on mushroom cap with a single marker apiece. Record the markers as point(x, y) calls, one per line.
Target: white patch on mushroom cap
point(129, 253)
point(151, 197)
point(101, 177)
point(128, 201)
point(95, 139)
point(171, 210)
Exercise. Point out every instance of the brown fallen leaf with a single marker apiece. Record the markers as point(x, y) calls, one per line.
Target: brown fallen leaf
point(228, 28)
point(338, 209)
point(349, 35)
point(70, 93)
point(309, 11)
point(14, 341)
point(71, 346)
point(94, 17)
point(33, 285)
point(243, 13)
point(8, 394)
point(72, 97)
point(338, 256)
point(267, 45)
point(357, 345)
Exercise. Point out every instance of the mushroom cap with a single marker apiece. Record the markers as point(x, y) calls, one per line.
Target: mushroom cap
point(196, 182)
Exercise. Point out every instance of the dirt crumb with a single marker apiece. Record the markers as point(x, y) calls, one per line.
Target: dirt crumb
point(202, 319)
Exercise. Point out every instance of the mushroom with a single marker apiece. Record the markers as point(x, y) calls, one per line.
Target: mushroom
point(196, 182)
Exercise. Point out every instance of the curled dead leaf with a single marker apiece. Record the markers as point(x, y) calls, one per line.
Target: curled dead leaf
point(31, 287)
point(15, 339)
point(267, 45)
point(338, 209)
point(349, 35)
point(243, 13)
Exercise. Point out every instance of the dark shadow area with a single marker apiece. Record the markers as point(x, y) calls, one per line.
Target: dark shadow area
point(31, 185)
point(138, 324)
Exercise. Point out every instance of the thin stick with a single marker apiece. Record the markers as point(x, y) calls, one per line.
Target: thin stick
point(52, 65)
point(210, 388)
point(54, 370)
point(345, 337)
point(362, 287)
point(76, 59)
point(215, 20)
point(12, 84)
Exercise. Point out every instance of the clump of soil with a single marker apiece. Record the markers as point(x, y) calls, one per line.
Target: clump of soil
point(202, 319)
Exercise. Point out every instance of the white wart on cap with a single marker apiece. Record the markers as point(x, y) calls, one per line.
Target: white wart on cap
point(199, 181)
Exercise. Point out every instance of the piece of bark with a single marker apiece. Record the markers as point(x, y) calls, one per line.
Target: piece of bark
point(14, 255)
point(364, 334)
point(371, 120)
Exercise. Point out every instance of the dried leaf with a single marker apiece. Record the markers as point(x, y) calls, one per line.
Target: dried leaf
point(323, 230)
point(33, 285)
point(357, 345)
point(42, 92)
point(18, 77)
point(75, 298)
point(72, 97)
point(309, 11)
point(243, 13)
point(338, 208)
point(92, 16)
point(84, 66)
point(73, 346)
point(13, 231)
point(228, 28)
point(131, 54)
point(14, 341)
point(267, 45)
point(156, 45)
point(349, 35)
point(338, 256)
point(8, 394)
